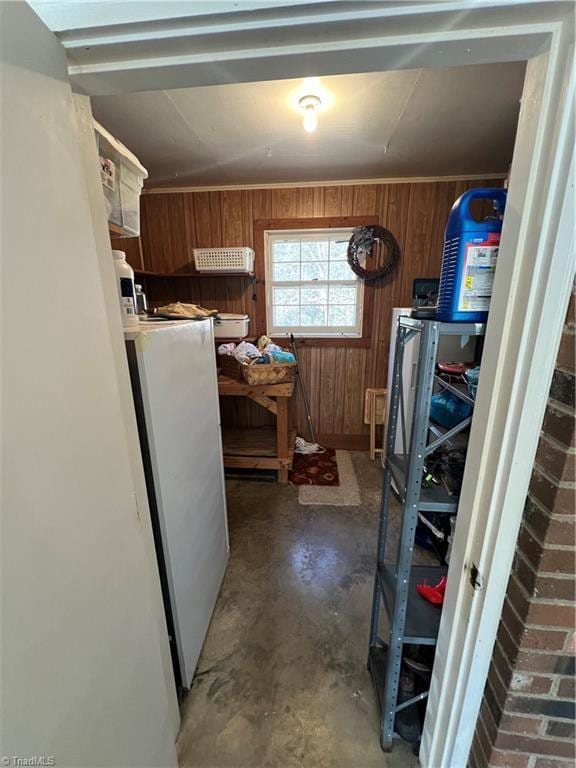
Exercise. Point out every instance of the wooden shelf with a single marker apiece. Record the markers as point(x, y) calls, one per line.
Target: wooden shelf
point(228, 387)
point(205, 275)
point(264, 447)
point(256, 441)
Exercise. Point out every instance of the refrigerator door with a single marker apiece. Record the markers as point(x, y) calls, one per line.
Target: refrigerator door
point(178, 384)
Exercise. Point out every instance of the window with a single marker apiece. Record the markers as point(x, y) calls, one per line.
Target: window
point(310, 289)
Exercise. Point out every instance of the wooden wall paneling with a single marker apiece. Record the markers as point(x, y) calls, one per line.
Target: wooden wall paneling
point(285, 203)
point(216, 220)
point(340, 390)
point(200, 206)
point(132, 247)
point(325, 418)
point(364, 200)
point(247, 217)
point(335, 376)
point(355, 386)
point(318, 201)
point(231, 216)
point(306, 202)
point(164, 240)
point(347, 202)
point(332, 201)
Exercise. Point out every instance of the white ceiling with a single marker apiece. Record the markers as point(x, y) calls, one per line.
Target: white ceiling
point(457, 121)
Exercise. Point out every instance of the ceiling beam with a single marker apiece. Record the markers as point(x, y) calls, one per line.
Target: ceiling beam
point(321, 38)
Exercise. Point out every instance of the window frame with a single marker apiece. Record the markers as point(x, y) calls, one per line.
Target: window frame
point(324, 331)
point(261, 227)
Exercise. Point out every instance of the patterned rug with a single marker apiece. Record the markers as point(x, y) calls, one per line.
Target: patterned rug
point(315, 468)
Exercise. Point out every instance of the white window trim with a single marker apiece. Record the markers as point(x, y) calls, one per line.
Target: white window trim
point(327, 332)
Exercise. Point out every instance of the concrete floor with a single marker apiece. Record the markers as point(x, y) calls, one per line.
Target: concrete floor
point(282, 679)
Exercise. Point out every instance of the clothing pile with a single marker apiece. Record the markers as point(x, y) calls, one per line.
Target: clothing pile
point(263, 352)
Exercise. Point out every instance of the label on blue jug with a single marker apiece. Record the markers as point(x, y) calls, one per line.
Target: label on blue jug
point(478, 275)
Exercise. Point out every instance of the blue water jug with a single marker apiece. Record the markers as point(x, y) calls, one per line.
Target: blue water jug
point(469, 259)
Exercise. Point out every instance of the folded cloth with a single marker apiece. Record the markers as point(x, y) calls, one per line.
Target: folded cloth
point(226, 349)
point(179, 309)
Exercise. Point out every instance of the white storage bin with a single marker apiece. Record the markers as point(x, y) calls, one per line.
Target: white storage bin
point(224, 259)
point(230, 326)
point(122, 180)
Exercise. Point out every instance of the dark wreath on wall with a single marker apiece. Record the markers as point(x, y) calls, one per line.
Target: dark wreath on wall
point(363, 242)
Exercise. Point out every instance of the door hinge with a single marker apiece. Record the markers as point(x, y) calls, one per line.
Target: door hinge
point(475, 578)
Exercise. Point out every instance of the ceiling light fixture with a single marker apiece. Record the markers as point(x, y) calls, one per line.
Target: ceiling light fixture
point(309, 104)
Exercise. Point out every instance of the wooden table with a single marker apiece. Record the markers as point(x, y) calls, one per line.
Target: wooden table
point(260, 448)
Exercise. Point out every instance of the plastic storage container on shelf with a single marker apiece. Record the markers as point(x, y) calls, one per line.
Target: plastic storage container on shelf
point(230, 326)
point(122, 180)
point(469, 258)
point(240, 260)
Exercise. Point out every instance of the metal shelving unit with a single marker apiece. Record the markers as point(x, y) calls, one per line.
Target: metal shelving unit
point(411, 619)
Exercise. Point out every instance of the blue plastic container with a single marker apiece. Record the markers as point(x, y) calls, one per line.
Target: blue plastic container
point(469, 259)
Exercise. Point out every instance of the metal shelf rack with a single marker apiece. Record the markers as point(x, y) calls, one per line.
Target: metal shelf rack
point(411, 619)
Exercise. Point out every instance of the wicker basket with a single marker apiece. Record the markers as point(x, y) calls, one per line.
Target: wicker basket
point(273, 373)
point(230, 367)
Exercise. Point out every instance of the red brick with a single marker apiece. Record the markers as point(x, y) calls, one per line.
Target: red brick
point(543, 762)
point(535, 746)
point(524, 682)
point(566, 352)
point(549, 530)
point(559, 664)
point(551, 615)
point(561, 728)
point(519, 724)
point(567, 688)
point(524, 572)
point(513, 622)
point(557, 499)
point(500, 759)
point(517, 595)
point(544, 639)
point(558, 587)
point(508, 644)
point(554, 460)
point(558, 560)
point(563, 388)
point(560, 424)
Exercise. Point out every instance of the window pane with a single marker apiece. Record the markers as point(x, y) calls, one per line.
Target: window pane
point(314, 250)
point(286, 316)
point(315, 295)
point(341, 315)
point(339, 270)
point(315, 271)
point(338, 250)
point(342, 294)
point(289, 251)
point(286, 296)
point(289, 272)
point(312, 314)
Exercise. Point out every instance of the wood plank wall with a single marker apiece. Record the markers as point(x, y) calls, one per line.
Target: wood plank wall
point(175, 223)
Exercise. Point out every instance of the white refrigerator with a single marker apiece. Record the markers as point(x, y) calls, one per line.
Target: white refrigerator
point(174, 382)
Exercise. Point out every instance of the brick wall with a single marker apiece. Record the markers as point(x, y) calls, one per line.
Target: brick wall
point(527, 714)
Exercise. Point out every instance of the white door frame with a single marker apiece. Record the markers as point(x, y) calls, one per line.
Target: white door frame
point(536, 264)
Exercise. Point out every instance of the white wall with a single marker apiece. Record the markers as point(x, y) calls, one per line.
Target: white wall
point(83, 678)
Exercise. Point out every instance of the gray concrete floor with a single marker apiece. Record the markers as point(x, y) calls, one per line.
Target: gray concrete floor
point(282, 679)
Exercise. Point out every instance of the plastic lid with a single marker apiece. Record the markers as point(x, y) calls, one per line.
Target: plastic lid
point(119, 255)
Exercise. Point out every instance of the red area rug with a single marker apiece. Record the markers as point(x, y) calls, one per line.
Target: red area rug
point(315, 468)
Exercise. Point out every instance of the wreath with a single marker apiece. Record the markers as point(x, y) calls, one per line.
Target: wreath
point(361, 245)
